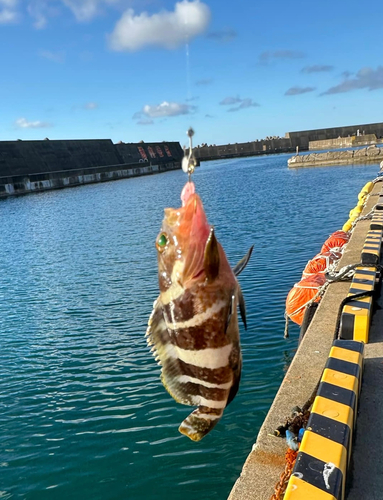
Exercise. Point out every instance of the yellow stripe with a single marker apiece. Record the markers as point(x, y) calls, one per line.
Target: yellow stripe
point(362, 327)
point(355, 311)
point(298, 489)
point(346, 355)
point(341, 380)
point(334, 410)
point(324, 449)
point(361, 286)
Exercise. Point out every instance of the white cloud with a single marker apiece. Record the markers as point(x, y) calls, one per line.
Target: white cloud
point(91, 105)
point(8, 12)
point(230, 100)
point(299, 90)
point(247, 102)
point(165, 109)
point(24, 123)
point(365, 78)
point(57, 57)
point(85, 10)
point(145, 121)
point(37, 11)
point(268, 56)
point(165, 29)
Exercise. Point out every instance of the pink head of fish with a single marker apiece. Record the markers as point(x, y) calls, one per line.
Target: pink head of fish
point(185, 231)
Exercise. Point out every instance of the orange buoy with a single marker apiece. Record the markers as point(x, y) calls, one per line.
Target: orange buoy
point(320, 263)
point(301, 294)
point(335, 241)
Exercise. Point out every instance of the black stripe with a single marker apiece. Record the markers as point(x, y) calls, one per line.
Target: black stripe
point(364, 281)
point(358, 303)
point(367, 273)
point(351, 345)
point(330, 429)
point(338, 394)
point(346, 330)
point(371, 246)
point(311, 470)
point(376, 225)
point(357, 290)
point(339, 365)
point(368, 258)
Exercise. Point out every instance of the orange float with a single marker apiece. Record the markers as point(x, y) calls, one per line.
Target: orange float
point(320, 263)
point(301, 294)
point(335, 241)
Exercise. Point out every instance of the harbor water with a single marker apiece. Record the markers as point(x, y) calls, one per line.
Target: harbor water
point(83, 414)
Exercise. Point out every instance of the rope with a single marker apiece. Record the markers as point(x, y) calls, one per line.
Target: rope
point(344, 274)
point(286, 334)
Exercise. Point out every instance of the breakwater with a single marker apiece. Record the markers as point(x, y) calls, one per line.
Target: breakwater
point(32, 166)
point(354, 135)
point(243, 149)
point(370, 154)
point(346, 142)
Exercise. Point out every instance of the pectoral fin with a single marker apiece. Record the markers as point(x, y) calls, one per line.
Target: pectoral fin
point(243, 262)
point(211, 257)
point(230, 313)
point(242, 306)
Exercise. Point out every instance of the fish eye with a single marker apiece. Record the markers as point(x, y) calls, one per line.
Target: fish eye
point(162, 241)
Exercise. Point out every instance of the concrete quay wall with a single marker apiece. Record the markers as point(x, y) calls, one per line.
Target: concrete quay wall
point(46, 181)
point(33, 157)
point(302, 138)
point(345, 142)
point(31, 166)
point(266, 461)
point(244, 149)
point(370, 154)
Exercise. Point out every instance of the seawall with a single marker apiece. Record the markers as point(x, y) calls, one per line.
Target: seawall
point(345, 142)
point(265, 463)
point(33, 166)
point(370, 154)
point(33, 183)
point(243, 149)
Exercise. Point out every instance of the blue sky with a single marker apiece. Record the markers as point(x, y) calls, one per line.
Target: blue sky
point(148, 69)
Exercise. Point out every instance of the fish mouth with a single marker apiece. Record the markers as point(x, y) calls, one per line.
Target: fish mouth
point(187, 191)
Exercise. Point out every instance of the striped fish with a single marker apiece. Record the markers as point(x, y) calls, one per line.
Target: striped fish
point(193, 328)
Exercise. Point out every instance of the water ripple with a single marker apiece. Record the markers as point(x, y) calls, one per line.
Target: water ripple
point(83, 413)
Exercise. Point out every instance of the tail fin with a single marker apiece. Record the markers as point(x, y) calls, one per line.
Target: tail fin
point(200, 422)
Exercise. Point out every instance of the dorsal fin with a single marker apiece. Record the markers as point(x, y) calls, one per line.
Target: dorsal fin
point(237, 269)
point(211, 257)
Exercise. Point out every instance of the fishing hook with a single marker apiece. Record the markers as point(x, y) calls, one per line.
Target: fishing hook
point(189, 162)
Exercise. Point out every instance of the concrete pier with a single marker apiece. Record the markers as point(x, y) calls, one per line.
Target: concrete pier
point(46, 181)
point(370, 154)
point(33, 166)
point(266, 461)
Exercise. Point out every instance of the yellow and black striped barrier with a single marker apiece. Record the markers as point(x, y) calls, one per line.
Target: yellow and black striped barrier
point(377, 220)
point(321, 466)
point(356, 314)
point(371, 248)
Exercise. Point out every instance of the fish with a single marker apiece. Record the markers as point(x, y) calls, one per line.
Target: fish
point(193, 328)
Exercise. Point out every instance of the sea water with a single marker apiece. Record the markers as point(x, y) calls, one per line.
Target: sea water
point(83, 414)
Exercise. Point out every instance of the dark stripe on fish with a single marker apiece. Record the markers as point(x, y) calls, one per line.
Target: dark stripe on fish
point(209, 334)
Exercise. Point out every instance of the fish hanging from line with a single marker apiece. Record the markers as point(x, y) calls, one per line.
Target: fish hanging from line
point(193, 327)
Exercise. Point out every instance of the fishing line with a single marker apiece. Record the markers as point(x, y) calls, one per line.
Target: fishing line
point(187, 54)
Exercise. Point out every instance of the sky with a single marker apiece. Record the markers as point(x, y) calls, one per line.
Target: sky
point(132, 70)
